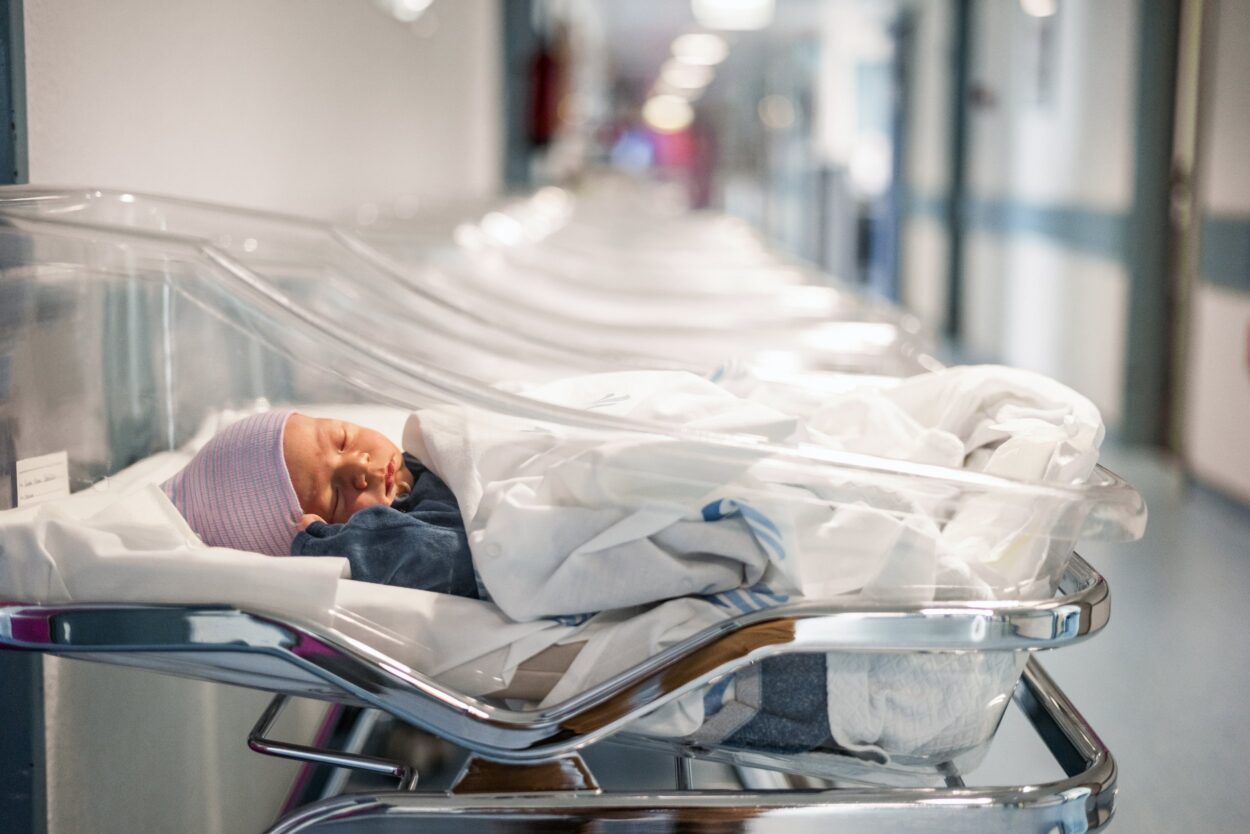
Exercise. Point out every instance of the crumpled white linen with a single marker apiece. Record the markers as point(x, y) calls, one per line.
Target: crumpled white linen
point(563, 522)
point(551, 513)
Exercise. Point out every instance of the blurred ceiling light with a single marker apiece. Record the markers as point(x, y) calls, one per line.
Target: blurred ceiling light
point(1039, 8)
point(662, 88)
point(502, 228)
point(738, 15)
point(700, 48)
point(808, 298)
point(687, 76)
point(667, 113)
point(552, 204)
point(774, 364)
point(850, 336)
point(405, 11)
point(776, 112)
point(468, 236)
point(869, 165)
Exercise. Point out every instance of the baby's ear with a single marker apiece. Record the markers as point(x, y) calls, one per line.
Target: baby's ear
point(307, 519)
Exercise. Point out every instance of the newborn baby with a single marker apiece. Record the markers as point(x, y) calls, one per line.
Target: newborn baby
point(281, 483)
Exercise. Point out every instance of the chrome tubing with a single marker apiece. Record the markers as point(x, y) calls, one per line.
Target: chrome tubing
point(261, 652)
point(259, 743)
point(1084, 801)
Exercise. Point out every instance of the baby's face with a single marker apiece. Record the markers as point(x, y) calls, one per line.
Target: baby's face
point(339, 468)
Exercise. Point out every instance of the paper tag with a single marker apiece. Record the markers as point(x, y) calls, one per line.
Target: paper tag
point(42, 478)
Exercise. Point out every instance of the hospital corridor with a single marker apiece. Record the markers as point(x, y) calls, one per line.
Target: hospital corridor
point(761, 416)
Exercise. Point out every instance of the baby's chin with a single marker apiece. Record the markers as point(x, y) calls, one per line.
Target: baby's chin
point(379, 502)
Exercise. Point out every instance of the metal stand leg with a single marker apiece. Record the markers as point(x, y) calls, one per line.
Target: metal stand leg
point(256, 740)
point(685, 772)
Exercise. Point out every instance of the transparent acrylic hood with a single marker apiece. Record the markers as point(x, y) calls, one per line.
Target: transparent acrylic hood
point(203, 270)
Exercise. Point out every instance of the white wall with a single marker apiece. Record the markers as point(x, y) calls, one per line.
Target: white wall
point(1217, 382)
point(1217, 405)
point(1031, 299)
point(1225, 183)
point(306, 106)
point(309, 106)
point(1077, 148)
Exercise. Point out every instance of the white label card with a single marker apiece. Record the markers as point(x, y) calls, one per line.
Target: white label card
point(42, 478)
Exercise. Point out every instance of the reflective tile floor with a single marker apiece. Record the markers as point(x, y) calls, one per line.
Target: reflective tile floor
point(1167, 683)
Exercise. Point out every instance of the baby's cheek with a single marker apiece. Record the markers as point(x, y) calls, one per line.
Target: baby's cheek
point(364, 501)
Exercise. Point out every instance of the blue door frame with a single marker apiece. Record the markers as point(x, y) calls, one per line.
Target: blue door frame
point(22, 796)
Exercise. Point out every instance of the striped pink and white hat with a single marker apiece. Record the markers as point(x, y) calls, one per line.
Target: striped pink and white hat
point(236, 491)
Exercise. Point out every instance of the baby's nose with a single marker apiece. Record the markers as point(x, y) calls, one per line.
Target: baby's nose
point(356, 472)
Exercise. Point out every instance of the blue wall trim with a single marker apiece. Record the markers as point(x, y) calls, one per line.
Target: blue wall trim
point(926, 204)
point(1224, 244)
point(1093, 231)
point(1225, 251)
point(1101, 232)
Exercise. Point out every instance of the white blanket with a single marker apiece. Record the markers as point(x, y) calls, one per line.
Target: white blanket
point(563, 522)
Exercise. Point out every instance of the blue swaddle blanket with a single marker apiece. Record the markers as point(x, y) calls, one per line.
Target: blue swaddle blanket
point(417, 542)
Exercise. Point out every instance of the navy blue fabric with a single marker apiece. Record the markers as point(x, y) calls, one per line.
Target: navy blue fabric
point(794, 710)
point(417, 542)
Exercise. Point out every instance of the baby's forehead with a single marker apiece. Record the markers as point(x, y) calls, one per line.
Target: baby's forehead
point(301, 443)
point(319, 429)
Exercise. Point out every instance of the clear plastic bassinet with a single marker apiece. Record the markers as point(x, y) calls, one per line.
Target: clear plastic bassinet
point(122, 343)
point(490, 324)
point(630, 282)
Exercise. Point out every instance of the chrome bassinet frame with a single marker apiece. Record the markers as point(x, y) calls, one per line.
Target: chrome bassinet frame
point(1082, 801)
point(230, 645)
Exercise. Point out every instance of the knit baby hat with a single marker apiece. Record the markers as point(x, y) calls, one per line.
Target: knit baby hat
point(236, 491)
